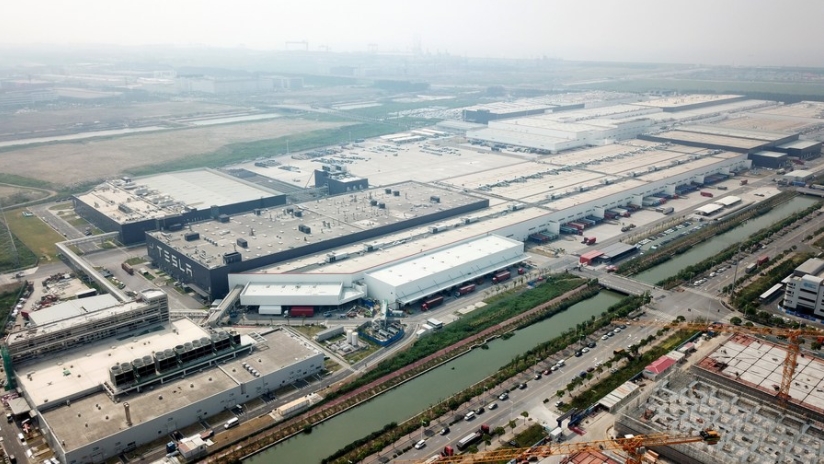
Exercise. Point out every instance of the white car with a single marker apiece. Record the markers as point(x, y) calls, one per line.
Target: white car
point(420, 444)
point(605, 337)
point(584, 350)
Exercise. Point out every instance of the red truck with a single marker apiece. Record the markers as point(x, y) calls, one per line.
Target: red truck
point(128, 268)
point(762, 260)
point(588, 241)
point(448, 451)
point(302, 311)
point(521, 271)
point(464, 290)
point(431, 303)
point(706, 194)
point(501, 276)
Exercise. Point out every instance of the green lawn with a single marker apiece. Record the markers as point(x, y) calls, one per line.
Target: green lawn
point(34, 233)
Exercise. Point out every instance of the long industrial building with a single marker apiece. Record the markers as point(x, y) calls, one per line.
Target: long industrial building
point(132, 207)
point(205, 253)
point(104, 383)
point(532, 199)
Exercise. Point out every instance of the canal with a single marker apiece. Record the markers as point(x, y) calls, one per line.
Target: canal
point(416, 395)
point(714, 245)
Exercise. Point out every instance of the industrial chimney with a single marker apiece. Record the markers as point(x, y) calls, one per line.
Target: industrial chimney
point(128, 414)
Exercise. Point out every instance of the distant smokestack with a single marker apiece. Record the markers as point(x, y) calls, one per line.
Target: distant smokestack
point(128, 414)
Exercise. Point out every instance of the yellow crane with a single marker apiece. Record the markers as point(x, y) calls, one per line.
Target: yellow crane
point(793, 336)
point(633, 446)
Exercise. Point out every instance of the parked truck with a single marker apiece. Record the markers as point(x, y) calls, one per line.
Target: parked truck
point(448, 451)
point(750, 268)
point(501, 276)
point(128, 268)
point(588, 240)
point(667, 210)
point(762, 260)
point(302, 311)
point(464, 290)
point(472, 438)
point(431, 303)
point(704, 193)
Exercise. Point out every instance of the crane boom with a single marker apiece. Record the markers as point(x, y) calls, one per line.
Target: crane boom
point(793, 337)
point(633, 446)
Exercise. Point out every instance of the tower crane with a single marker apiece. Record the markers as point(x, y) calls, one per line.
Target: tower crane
point(633, 446)
point(793, 336)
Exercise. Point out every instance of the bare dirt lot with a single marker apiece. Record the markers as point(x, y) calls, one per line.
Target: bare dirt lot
point(91, 160)
point(34, 121)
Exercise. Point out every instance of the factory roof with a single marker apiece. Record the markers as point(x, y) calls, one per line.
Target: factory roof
point(509, 137)
point(813, 110)
point(295, 289)
point(510, 107)
point(728, 201)
point(72, 308)
point(96, 416)
point(709, 209)
point(800, 144)
point(275, 230)
point(716, 129)
point(614, 397)
point(418, 267)
point(616, 249)
point(710, 139)
point(170, 194)
point(452, 124)
point(678, 101)
point(660, 365)
point(770, 154)
point(812, 266)
point(800, 174)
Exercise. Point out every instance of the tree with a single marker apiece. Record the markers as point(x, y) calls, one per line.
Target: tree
point(735, 321)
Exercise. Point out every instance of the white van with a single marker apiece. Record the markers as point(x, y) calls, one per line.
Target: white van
point(231, 423)
point(469, 416)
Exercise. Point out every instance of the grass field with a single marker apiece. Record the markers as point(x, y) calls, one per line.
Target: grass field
point(13, 257)
point(91, 160)
point(34, 233)
point(237, 152)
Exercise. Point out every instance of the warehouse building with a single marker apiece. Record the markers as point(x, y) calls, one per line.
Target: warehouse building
point(678, 103)
point(483, 114)
point(401, 282)
point(709, 209)
point(132, 207)
point(723, 138)
point(769, 159)
point(203, 255)
point(801, 149)
point(799, 175)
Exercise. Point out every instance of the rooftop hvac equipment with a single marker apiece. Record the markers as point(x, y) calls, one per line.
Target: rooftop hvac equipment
point(388, 191)
point(396, 193)
point(241, 242)
point(191, 236)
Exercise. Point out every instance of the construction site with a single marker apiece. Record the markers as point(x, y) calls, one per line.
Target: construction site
point(735, 390)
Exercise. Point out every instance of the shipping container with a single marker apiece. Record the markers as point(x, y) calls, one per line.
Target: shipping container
point(589, 240)
point(464, 290)
point(431, 303)
point(501, 276)
point(704, 193)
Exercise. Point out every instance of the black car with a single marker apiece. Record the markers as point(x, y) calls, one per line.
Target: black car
point(480, 410)
point(578, 353)
point(591, 345)
point(444, 431)
point(522, 386)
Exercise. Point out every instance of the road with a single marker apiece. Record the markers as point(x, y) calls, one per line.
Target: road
point(530, 399)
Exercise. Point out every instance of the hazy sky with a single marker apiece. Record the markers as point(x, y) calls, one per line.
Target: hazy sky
point(762, 32)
